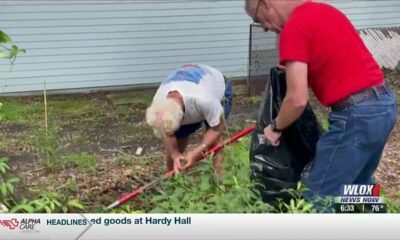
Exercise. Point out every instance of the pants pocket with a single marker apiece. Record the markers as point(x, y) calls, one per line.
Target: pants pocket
point(337, 127)
point(371, 127)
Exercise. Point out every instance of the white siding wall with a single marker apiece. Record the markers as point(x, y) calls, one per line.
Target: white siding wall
point(94, 43)
point(370, 13)
point(86, 44)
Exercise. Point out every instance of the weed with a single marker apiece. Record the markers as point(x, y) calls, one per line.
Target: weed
point(18, 112)
point(392, 204)
point(324, 124)
point(82, 139)
point(70, 185)
point(123, 160)
point(297, 204)
point(84, 161)
point(204, 192)
point(46, 144)
point(7, 49)
point(71, 107)
point(48, 202)
point(6, 183)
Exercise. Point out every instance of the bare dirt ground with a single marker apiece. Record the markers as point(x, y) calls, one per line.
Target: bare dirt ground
point(110, 127)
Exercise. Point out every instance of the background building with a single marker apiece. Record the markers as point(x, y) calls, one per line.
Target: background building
point(83, 45)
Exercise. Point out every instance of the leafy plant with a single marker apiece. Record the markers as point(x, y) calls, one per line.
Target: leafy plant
point(297, 203)
point(48, 202)
point(202, 191)
point(6, 184)
point(45, 202)
point(45, 142)
point(49, 145)
point(7, 49)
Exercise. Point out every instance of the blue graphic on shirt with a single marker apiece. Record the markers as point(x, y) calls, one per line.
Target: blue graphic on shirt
point(188, 72)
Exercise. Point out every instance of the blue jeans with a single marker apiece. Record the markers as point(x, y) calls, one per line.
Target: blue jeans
point(228, 98)
point(350, 151)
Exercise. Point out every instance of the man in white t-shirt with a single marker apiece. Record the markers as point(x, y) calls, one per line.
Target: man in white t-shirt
point(188, 97)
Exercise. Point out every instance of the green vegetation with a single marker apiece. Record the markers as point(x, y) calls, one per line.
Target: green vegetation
point(71, 107)
point(17, 112)
point(44, 202)
point(7, 49)
point(203, 191)
point(123, 160)
point(89, 146)
point(84, 161)
point(325, 124)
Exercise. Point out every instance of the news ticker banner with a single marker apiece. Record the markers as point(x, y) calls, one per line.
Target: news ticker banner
point(360, 198)
point(199, 226)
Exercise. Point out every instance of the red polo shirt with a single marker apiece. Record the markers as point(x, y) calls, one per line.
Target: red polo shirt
point(339, 63)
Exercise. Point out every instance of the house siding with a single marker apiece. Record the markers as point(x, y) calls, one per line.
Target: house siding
point(89, 44)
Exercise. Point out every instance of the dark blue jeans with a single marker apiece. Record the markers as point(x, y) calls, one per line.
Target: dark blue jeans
point(350, 151)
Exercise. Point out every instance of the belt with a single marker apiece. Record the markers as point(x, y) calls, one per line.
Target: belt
point(359, 97)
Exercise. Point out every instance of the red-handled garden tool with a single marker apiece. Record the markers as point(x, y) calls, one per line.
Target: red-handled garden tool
point(153, 183)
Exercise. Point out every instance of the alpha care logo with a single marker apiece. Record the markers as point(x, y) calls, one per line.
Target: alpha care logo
point(11, 224)
point(29, 224)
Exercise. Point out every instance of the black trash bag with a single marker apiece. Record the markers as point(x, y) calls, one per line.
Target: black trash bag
point(279, 168)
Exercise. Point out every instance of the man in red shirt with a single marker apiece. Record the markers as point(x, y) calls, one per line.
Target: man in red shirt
point(321, 49)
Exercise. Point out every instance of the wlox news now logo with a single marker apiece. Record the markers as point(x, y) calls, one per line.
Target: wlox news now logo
point(25, 224)
point(360, 193)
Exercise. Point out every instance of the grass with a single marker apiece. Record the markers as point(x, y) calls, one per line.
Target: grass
point(83, 161)
point(71, 107)
point(123, 160)
point(17, 112)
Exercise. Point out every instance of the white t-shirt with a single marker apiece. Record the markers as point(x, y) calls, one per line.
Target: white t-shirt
point(202, 89)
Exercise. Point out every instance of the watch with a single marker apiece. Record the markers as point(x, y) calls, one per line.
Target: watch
point(204, 148)
point(274, 128)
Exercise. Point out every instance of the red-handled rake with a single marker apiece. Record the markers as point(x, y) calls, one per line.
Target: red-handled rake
point(153, 183)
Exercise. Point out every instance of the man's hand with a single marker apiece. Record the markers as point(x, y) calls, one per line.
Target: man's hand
point(177, 162)
point(192, 157)
point(271, 136)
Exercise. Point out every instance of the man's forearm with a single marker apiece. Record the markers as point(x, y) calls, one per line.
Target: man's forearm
point(213, 134)
point(290, 111)
point(171, 146)
point(296, 98)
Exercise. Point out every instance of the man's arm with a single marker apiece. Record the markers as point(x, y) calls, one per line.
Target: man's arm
point(210, 138)
point(172, 148)
point(171, 145)
point(294, 102)
point(213, 134)
point(296, 98)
